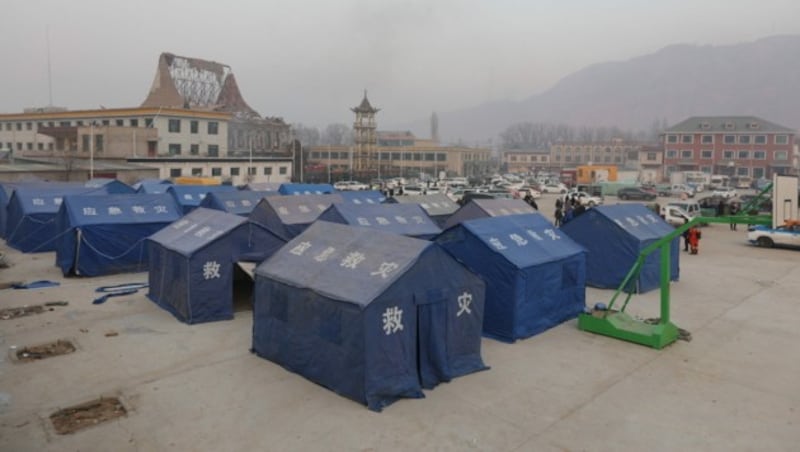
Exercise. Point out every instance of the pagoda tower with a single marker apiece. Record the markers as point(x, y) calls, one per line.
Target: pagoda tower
point(365, 137)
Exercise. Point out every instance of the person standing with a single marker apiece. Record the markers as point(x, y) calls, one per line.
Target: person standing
point(685, 238)
point(694, 240)
point(721, 208)
point(734, 211)
point(559, 216)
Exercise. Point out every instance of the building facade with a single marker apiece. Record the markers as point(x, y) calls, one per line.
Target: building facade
point(614, 152)
point(520, 161)
point(729, 145)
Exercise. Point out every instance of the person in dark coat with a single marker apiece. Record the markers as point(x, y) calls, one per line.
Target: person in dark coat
point(734, 211)
point(721, 208)
point(559, 216)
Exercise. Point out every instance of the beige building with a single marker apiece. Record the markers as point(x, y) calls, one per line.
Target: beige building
point(615, 152)
point(520, 161)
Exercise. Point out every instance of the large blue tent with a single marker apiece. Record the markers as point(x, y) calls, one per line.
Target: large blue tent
point(263, 186)
point(288, 216)
point(189, 197)
point(438, 206)
point(614, 235)
point(371, 315)
point(112, 186)
point(483, 208)
point(7, 190)
point(192, 262)
point(404, 219)
point(306, 189)
point(102, 235)
point(238, 202)
point(362, 196)
point(535, 275)
point(31, 215)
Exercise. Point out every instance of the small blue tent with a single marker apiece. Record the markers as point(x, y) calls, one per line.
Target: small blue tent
point(306, 189)
point(371, 315)
point(103, 235)
point(189, 197)
point(112, 186)
point(404, 219)
point(152, 186)
point(288, 216)
point(192, 262)
point(239, 202)
point(362, 196)
point(7, 190)
point(483, 208)
point(535, 275)
point(31, 215)
point(614, 236)
point(438, 206)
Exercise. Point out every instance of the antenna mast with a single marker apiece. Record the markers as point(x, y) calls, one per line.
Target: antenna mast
point(49, 72)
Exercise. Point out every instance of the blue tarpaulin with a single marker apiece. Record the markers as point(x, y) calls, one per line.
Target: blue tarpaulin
point(404, 219)
point(102, 235)
point(288, 216)
point(535, 275)
point(239, 202)
point(483, 208)
point(306, 189)
point(192, 262)
point(438, 206)
point(614, 236)
point(112, 186)
point(373, 316)
point(189, 197)
point(362, 196)
point(31, 215)
point(152, 186)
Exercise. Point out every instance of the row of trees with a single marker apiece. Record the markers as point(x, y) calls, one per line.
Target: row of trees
point(540, 135)
point(333, 135)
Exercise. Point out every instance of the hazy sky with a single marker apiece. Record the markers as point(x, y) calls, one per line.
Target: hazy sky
point(309, 60)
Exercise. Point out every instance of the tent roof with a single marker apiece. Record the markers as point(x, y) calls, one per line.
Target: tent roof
point(346, 263)
point(263, 186)
point(525, 240)
point(500, 207)
point(192, 195)
point(635, 219)
point(300, 209)
point(121, 209)
point(363, 196)
point(47, 199)
point(240, 202)
point(306, 189)
point(196, 230)
point(405, 219)
point(434, 205)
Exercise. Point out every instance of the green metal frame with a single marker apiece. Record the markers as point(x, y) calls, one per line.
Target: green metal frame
point(620, 325)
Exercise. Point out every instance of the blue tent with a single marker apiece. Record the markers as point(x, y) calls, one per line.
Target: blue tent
point(103, 235)
point(371, 315)
point(614, 236)
point(192, 262)
point(112, 186)
point(438, 206)
point(31, 215)
point(535, 275)
point(239, 202)
point(363, 196)
point(288, 216)
point(404, 219)
point(483, 208)
point(7, 189)
point(189, 197)
point(152, 186)
point(263, 186)
point(306, 189)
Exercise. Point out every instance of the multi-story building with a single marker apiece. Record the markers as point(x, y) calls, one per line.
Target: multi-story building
point(526, 161)
point(729, 145)
point(614, 152)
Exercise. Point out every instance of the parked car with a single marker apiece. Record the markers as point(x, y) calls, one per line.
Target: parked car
point(676, 190)
point(635, 193)
point(554, 188)
point(350, 185)
point(674, 215)
point(529, 190)
point(785, 235)
point(585, 198)
point(690, 207)
point(765, 205)
point(725, 192)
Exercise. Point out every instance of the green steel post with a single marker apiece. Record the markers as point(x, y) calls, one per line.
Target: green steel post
point(665, 280)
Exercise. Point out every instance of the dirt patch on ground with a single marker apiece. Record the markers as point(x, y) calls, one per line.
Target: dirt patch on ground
point(72, 419)
point(14, 313)
point(37, 352)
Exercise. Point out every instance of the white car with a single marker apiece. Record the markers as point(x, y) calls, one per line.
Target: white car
point(586, 199)
point(528, 190)
point(786, 235)
point(554, 188)
point(350, 185)
point(725, 192)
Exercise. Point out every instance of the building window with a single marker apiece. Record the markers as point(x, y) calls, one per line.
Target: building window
point(194, 149)
point(744, 139)
point(175, 172)
point(134, 123)
point(758, 173)
point(742, 171)
point(216, 171)
point(192, 126)
point(334, 155)
point(106, 122)
point(513, 158)
point(652, 156)
point(687, 139)
point(282, 170)
point(63, 124)
point(743, 155)
point(672, 139)
point(8, 126)
point(315, 155)
point(268, 171)
point(174, 149)
point(706, 154)
point(234, 171)
point(29, 145)
point(79, 123)
point(120, 122)
point(729, 139)
point(781, 139)
point(98, 143)
point(672, 153)
point(760, 139)
point(213, 127)
point(706, 169)
point(19, 145)
point(251, 170)
point(148, 122)
point(174, 125)
point(85, 142)
point(28, 126)
point(213, 150)
point(727, 154)
point(49, 146)
point(687, 154)
point(197, 171)
point(441, 157)
point(760, 155)
point(707, 139)
point(781, 155)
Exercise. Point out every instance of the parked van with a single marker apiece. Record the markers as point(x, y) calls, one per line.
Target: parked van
point(690, 207)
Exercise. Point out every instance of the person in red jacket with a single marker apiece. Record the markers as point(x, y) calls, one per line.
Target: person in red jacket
point(694, 240)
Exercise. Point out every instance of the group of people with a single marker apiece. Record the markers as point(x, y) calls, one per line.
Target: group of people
point(567, 209)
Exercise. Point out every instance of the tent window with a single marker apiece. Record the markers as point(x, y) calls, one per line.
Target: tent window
point(569, 275)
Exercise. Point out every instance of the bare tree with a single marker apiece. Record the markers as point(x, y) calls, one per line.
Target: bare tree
point(308, 136)
point(337, 135)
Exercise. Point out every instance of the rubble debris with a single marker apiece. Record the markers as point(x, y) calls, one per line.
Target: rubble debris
point(37, 352)
point(72, 419)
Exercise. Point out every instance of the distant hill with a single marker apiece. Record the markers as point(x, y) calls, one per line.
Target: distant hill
point(760, 78)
